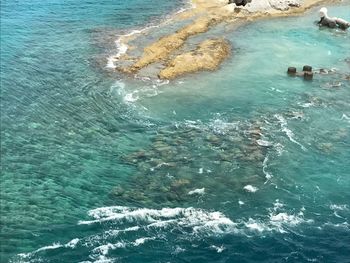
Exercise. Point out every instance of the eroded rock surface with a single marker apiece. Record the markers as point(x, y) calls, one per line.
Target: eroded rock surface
point(162, 48)
point(208, 56)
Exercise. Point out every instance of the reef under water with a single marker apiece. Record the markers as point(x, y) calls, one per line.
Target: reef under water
point(243, 164)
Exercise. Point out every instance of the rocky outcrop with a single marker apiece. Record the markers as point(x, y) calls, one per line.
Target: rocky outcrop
point(161, 49)
point(208, 56)
point(204, 15)
point(269, 5)
point(284, 5)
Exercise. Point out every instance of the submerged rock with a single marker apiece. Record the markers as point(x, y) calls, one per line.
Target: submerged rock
point(326, 147)
point(180, 183)
point(118, 191)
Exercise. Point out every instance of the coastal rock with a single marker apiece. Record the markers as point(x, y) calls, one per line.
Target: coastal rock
point(239, 2)
point(208, 56)
point(162, 48)
point(204, 15)
point(256, 6)
point(284, 5)
point(268, 5)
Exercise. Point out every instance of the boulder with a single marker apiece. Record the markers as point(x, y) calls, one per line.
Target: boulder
point(239, 2)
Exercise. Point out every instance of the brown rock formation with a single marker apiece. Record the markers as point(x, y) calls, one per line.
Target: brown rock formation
point(208, 56)
point(162, 48)
point(206, 14)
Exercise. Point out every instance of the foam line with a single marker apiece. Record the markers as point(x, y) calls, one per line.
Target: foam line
point(288, 132)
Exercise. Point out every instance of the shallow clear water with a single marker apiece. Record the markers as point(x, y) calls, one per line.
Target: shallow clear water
point(240, 165)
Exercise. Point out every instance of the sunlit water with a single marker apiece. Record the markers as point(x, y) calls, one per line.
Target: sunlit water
point(244, 164)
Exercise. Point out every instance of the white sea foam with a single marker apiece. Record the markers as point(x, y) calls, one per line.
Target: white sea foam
point(215, 223)
point(264, 143)
point(181, 11)
point(99, 254)
point(142, 240)
point(250, 188)
point(103, 259)
point(162, 224)
point(71, 244)
point(288, 132)
point(285, 218)
point(50, 247)
point(278, 205)
point(338, 207)
point(222, 127)
point(282, 220)
point(153, 224)
point(178, 250)
point(160, 82)
point(199, 191)
point(279, 220)
point(219, 249)
point(307, 104)
point(197, 219)
point(344, 225)
point(104, 249)
point(268, 175)
point(279, 148)
point(53, 246)
point(345, 117)
point(255, 225)
point(122, 47)
point(130, 96)
point(116, 232)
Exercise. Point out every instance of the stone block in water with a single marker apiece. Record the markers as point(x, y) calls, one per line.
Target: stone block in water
point(307, 68)
point(292, 71)
point(308, 75)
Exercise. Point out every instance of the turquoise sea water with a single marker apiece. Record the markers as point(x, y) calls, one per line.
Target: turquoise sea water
point(244, 164)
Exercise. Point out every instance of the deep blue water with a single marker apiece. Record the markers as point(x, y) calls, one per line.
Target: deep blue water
point(240, 165)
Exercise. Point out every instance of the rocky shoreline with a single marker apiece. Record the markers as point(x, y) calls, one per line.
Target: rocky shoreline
point(208, 55)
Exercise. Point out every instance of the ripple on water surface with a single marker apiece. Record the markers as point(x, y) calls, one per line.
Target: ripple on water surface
point(242, 164)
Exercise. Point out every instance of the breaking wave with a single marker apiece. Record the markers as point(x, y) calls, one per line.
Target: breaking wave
point(129, 228)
